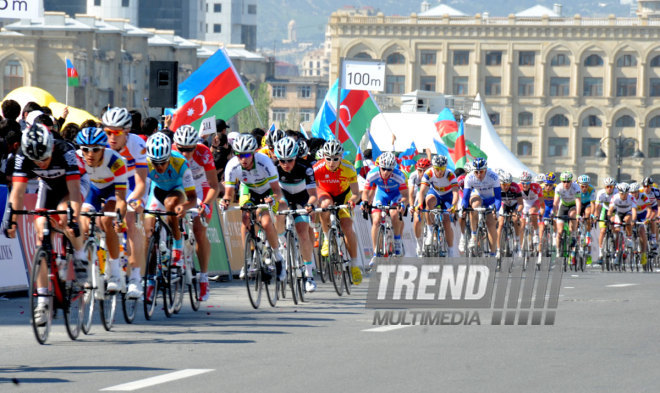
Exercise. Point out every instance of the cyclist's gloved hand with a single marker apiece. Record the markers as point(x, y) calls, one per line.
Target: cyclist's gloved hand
point(224, 203)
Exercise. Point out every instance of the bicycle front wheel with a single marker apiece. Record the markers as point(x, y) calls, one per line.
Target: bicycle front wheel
point(151, 294)
point(90, 293)
point(381, 248)
point(40, 324)
point(291, 257)
point(253, 271)
point(74, 306)
point(193, 287)
point(129, 308)
point(335, 263)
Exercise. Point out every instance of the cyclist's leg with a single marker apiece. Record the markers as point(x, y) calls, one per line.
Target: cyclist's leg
point(475, 202)
point(417, 225)
point(491, 220)
point(431, 202)
point(500, 226)
point(446, 222)
point(375, 225)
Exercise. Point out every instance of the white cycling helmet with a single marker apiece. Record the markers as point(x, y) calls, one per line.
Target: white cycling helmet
point(118, 118)
point(387, 160)
point(286, 148)
point(159, 147)
point(609, 181)
point(332, 148)
point(37, 142)
point(623, 187)
point(245, 143)
point(525, 177)
point(540, 178)
point(505, 177)
point(186, 135)
point(634, 187)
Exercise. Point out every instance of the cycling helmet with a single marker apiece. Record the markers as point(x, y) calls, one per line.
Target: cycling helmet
point(634, 187)
point(273, 137)
point(506, 178)
point(609, 181)
point(479, 164)
point(526, 177)
point(37, 143)
point(91, 136)
point(584, 179)
point(186, 135)
point(648, 181)
point(423, 163)
point(540, 178)
point(245, 143)
point(332, 148)
point(159, 147)
point(319, 154)
point(551, 178)
point(303, 149)
point(117, 117)
point(286, 148)
point(468, 167)
point(439, 161)
point(623, 187)
point(566, 176)
point(387, 160)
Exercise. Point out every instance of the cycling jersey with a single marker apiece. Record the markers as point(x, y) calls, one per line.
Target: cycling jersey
point(568, 196)
point(603, 198)
point(510, 196)
point(588, 196)
point(202, 162)
point(642, 202)
point(388, 191)
point(267, 152)
point(414, 181)
point(533, 196)
point(257, 179)
point(176, 176)
point(334, 182)
point(111, 172)
point(623, 206)
point(653, 196)
point(441, 185)
point(64, 166)
point(548, 195)
point(135, 155)
point(296, 183)
point(488, 189)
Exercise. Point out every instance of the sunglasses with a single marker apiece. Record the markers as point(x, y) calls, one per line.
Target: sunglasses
point(87, 149)
point(287, 161)
point(333, 159)
point(567, 181)
point(243, 155)
point(526, 183)
point(113, 131)
point(183, 149)
point(159, 164)
point(386, 169)
point(439, 168)
point(480, 171)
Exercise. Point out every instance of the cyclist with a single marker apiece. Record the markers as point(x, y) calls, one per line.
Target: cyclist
point(270, 140)
point(202, 166)
point(303, 153)
point(117, 125)
point(299, 188)
point(482, 189)
point(390, 187)
point(567, 194)
point(532, 194)
point(55, 164)
point(548, 187)
point(172, 189)
point(414, 183)
point(643, 206)
point(602, 205)
point(336, 184)
point(512, 202)
point(107, 171)
point(654, 194)
point(460, 181)
point(623, 211)
point(258, 177)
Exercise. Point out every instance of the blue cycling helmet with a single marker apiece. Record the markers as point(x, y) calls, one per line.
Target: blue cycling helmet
point(479, 163)
point(91, 136)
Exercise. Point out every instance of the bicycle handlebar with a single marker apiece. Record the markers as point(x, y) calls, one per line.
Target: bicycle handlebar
point(296, 211)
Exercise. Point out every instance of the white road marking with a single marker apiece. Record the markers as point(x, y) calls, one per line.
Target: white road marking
point(569, 287)
point(574, 275)
point(143, 383)
point(620, 285)
point(386, 328)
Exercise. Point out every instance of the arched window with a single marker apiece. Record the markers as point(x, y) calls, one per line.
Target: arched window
point(625, 121)
point(525, 119)
point(594, 178)
point(626, 61)
point(655, 62)
point(362, 55)
point(396, 58)
point(593, 61)
point(559, 120)
point(12, 76)
point(560, 59)
point(524, 148)
point(655, 123)
point(592, 121)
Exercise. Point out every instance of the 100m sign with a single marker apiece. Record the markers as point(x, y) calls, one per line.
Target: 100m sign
point(362, 79)
point(363, 75)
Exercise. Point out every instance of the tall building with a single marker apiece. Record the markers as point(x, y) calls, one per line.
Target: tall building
point(232, 22)
point(69, 7)
point(557, 88)
point(185, 17)
point(114, 9)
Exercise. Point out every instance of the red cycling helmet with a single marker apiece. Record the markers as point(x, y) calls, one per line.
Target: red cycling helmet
point(423, 163)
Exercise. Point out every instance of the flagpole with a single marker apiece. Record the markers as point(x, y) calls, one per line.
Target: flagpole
point(66, 84)
point(261, 124)
point(339, 88)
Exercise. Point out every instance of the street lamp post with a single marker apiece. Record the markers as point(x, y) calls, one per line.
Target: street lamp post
point(620, 142)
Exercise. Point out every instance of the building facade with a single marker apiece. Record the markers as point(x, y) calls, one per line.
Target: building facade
point(231, 22)
point(555, 87)
point(296, 101)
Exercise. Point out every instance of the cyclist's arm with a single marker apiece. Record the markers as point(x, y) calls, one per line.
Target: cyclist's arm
point(73, 186)
point(140, 183)
point(454, 196)
point(578, 205)
point(120, 196)
point(610, 210)
point(466, 197)
point(497, 191)
point(521, 205)
point(423, 189)
point(555, 203)
point(212, 178)
point(633, 211)
point(355, 190)
point(277, 191)
point(229, 195)
point(312, 195)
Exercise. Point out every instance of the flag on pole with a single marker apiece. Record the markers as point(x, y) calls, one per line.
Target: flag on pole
point(214, 89)
point(441, 149)
point(407, 157)
point(452, 136)
point(71, 74)
point(324, 119)
point(302, 130)
point(460, 154)
point(375, 150)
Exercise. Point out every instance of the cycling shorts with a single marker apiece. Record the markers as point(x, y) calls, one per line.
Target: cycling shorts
point(157, 196)
point(547, 213)
point(247, 196)
point(619, 217)
point(98, 196)
point(442, 200)
point(340, 199)
point(564, 210)
point(298, 201)
point(504, 209)
point(50, 198)
point(386, 198)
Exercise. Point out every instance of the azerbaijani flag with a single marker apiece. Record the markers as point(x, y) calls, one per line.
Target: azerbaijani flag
point(441, 149)
point(407, 157)
point(215, 89)
point(460, 155)
point(375, 150)
point(71, 74)
point(452, 135)
point(324, 120)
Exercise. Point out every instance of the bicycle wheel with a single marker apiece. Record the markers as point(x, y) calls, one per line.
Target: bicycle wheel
point(442, 249)
point(610, 251)
point(380, 243)
point(291, 267)
point(74, 304)
point(347, 276)
point(321, 266)
point(193, 287)
point(336, 264)
point(129, 308)
point(90, 293)
point(39, 264)
point(149, 304)
point(300, 277)
point(177, 288)
point(253, 271)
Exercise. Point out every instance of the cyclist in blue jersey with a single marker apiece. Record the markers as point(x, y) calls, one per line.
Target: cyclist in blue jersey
point(482, 189)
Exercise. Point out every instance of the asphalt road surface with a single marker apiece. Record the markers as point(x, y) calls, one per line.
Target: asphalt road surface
point(606, 339)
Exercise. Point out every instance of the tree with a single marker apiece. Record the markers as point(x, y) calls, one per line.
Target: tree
point(292, 120)
point(247, 120)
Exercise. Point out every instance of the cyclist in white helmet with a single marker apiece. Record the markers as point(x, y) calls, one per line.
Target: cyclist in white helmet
point(623, 211)
point(567, 203)
point(603, 199)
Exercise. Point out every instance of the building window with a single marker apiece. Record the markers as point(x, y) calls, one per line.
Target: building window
point(97, 2)
point(252, 9)
point(493, 86)
point(494, 118)
point(525, 86)
point(526, 58)
point(557, 147)
point(654, 87)
point(279, 91)
point(590, 146)
point(494, 58)
point(559, 87)
point(655, 62)
point(306, 116)
point(304, 91)
point(558, 120)
point(560, 59)
point(593, 87)
point(655, 123)
point(362, 55)
point(592, 121)
point(593, 61)
point(427, 83)
point(625, 121)
point(395, 84)
point(217, 28)
point(124, 3)
point(460, 86)
point(279, 115)
point(427, 57)
point(524, 148)
point(626, 87)
point(654, 149)
point(396, 58)
point(217, 8)
point(626, 61)
point(525, 119)
point(461, 57)
point(12, 76)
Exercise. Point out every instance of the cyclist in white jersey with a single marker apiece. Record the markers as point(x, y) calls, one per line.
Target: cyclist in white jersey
point(654, 194)
point(482, 189)
point(567, 203)
point(603, 199)
point(414, 182)
point(623, 211)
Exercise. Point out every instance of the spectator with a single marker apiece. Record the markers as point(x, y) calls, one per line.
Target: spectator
point(295, 134)
point(70, 131)
point(258, 134)
point(222, 153)
point(11, 109)
point(136, 126)
point(149, 126)
point(29, 107)
point(89, 123)
point(10, 142)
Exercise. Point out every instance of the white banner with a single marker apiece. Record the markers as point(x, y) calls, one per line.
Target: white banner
point(13, 277)
point(21, 9)
point(363, 75)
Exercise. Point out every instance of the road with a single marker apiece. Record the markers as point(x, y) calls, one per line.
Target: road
point(605, 340)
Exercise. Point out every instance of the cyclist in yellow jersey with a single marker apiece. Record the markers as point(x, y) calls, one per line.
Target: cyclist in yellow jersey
point(271, 139)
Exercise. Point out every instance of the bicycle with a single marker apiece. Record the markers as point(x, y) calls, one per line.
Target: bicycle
point(508, 241)
point(609, 255)
point(338, 258)
point(294, 263)
point(564, 249)
point(623, 251)
point(546, 238)
point(190, 278)
point(482, 244)
point(438, 247)
point(582, 247)
point(652, 253)
point(528, 248)
point(385, 236)
point(322, 268)
point(61, 291)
